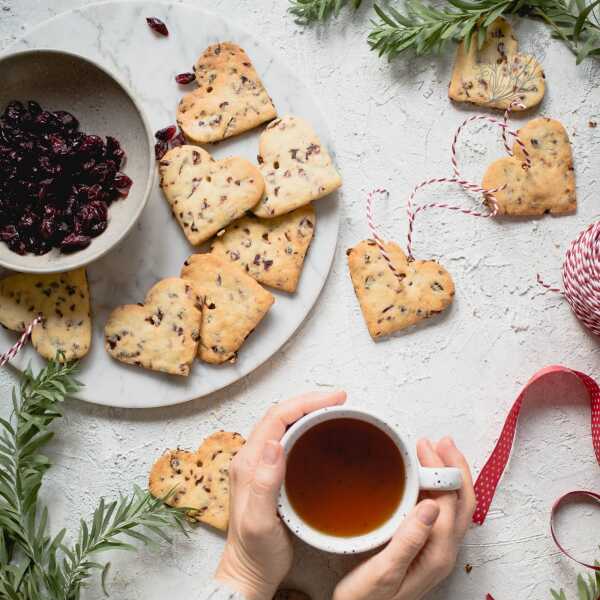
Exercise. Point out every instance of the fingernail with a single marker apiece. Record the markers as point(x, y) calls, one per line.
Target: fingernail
point(428, 443)
point(270, 453)
point(448, 440)
point(428, 512)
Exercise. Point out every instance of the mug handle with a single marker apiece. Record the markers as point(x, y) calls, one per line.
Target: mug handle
point(444, 479)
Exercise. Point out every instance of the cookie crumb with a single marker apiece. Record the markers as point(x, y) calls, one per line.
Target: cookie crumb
point(593, 124)
point(468, 568)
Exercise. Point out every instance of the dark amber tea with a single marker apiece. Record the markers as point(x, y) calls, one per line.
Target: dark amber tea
point(345, 477)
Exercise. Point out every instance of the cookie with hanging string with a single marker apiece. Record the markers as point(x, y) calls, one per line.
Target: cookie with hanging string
point(398, 294)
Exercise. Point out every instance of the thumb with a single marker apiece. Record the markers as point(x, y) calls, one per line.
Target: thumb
point(267, 480)
point(380, 577)
point(411, 536)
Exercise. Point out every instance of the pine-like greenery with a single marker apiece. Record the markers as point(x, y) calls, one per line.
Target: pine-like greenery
point(33, 563)
point(424, 26)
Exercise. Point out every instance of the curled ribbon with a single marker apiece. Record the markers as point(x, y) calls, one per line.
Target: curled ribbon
point(490, 475)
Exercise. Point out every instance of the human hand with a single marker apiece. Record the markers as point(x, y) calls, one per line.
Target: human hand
point(258, 552)
point(423, 551)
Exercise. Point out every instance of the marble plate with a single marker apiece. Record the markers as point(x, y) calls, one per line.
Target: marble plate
point(115, 35)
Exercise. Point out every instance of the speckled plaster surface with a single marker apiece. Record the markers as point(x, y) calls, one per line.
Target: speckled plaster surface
point(458, 374)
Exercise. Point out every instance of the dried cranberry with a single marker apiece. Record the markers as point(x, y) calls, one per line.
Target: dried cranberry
point(185, 78)
point(34, 108)
point(68, 121)
point(90, 145)
point(166, 133)
point(74, 242)
point(9, 233)
point(45, 121)
point(114, 151)
point(160, 149)
point(178, 140)
point(14, 111)
point(48, 228)
point(157, 25)
point(93, 193)
point(122, 184)
point(58, 144)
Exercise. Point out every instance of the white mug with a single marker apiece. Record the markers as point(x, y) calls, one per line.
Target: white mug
point(417, 478)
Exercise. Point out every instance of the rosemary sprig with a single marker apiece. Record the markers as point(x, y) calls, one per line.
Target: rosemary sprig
point(135, 517)
point(34, 564)
point(310, 11)
point(426, 29)
point(587, 588)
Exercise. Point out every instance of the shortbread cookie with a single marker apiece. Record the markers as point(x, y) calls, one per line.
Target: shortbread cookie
point(548, 186)
point(496, 75)
point(296, 167)
point(62, 299)
point(230, 98)
point(387, 304)
point(270, 250)
point(163, 333)
point(207, 194)
point(233, 305)
point(198, 481)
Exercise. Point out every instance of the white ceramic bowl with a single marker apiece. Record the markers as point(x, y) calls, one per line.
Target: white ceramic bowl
point(417, 478)
point(104, 106)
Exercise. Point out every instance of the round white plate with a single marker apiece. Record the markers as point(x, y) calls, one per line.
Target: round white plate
point(115, 34)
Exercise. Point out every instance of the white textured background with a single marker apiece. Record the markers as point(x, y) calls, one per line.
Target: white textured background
point(458, 374)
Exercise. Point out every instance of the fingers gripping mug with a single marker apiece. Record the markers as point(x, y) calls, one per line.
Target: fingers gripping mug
point(351, 479)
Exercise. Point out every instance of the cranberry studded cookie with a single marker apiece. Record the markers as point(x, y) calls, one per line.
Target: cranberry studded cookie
point(205, 194)
point(270, 250)
point(198, 481)
point(62, 299)
point(389, 305)
point(548, 185)
point(233, 304)
point(230, 98)
point(496, 75)
point(296, 167)
point(163, 333)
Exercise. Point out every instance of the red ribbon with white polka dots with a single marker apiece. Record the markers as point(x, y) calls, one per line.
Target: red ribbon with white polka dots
point(490, 475)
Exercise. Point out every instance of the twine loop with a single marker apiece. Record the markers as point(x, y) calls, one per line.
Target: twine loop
point(489, 195)
point(18, 345)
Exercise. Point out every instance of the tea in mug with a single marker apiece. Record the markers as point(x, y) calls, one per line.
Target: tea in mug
point(345, 477)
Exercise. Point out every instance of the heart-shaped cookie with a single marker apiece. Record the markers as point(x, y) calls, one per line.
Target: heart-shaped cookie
point(497, 75)
point(198, 480)
point(163, 333)
point(207, 194)
point(230, 98)
point(296, 167)
point(63, 300)
point(548, 185)
point(387, 304)
point(233, 305)
point(270, 250)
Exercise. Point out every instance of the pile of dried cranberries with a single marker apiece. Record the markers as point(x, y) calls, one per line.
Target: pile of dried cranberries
point(56, 182)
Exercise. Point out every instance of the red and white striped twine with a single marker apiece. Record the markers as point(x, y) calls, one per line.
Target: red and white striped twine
point(375, 235)
point(16, 348)
point(581, 277)
point(488, 194)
